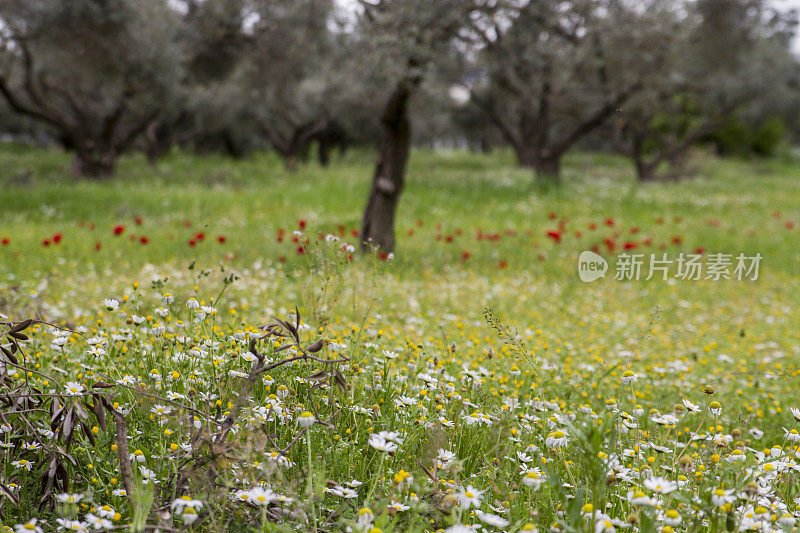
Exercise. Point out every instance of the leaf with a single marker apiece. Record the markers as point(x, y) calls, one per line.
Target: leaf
point(88, 432)
point(319, 376)
point(82, 414)
point(97, 408)
point(340, 380)
point(10, 355)
point(56, 409)
point(317, 346)
point(21, 326)
point(66, 426)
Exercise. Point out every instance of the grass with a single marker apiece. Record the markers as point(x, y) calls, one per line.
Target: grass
point(478, 339)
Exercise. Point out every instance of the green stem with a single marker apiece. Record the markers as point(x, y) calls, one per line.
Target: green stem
point(375, 481)
point(310, 484)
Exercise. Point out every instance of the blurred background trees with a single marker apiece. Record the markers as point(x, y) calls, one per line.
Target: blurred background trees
point(650, 79)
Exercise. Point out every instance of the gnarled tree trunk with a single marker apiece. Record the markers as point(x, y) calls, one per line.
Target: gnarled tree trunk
point(377, 226)
point(94, 163)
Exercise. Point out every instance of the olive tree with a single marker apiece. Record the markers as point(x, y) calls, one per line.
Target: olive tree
point(95, 71)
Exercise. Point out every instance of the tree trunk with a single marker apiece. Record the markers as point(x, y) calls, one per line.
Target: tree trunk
point(159, 138)
point(324, 152)
point(93, 164)
point(548, 168)
point(377, 226)
point(644, 172)
point(545, 166)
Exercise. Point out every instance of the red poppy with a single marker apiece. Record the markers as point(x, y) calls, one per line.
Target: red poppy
point(187, 224)
point(221, 239)
point(119, 229)
point(192, 243)
point(502, 264)
point(630, 245)
point(282, 258)
point(200, 236)
point(634, 230)
point(410, 232)
point(301, 223)
point(97, 246)
point(419, 223)
point(5, 241)
point(465, 255)
point(301, 250)
point(789, 224)
point(593, 226)
point(46, 242)
point(677, 239)
point(144, 240)
point(383, 256)
point(449, 238)
point(609, 222)
point(555, 235)
point(355, 232)
point(57, 238)
point(700, 251)
point(138, 221)
point(552, 215)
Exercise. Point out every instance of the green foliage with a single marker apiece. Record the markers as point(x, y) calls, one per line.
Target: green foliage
point(737, 137)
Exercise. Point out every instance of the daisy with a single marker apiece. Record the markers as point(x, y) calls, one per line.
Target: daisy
point(70, 525)
point(381, 444)
point(74, 388)
point(260, 496)
point(111, 303)
point(24, 464)
point(106, 511)
point(639, 498)
point(557, 439)
point(397, 506)
point(305, 420)
point(692, 407)
point(98, 523)
point(28, 527)
point(532, 478)
point(672, 518)
point(469, 496)
point(721, 496)
point(69, 498)
point(660, 485)
point(492, 519)
point(185, 501)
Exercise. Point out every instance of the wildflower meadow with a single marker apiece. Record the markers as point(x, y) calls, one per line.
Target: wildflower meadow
point(201, 346)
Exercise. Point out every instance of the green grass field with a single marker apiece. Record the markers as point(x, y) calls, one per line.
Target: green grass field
point(472, 380)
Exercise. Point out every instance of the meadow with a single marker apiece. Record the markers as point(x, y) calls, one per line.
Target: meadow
point(209, 350)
